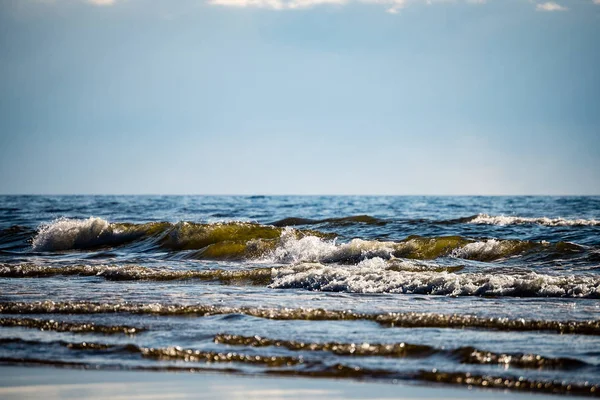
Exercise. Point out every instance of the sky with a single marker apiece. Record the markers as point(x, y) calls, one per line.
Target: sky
point(399, 97)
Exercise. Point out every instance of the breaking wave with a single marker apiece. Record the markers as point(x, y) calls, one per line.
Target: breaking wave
point(374, 276)
point(68, 234)
point(227, 240)
point(514, 220)
point(244, 240)
point(293, 249)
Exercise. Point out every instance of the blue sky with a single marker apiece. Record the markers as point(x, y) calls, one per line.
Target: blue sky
point(300, 96)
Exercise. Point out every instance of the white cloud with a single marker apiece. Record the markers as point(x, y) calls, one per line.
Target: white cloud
point(102, 2)
point(309, 3)
point(275, 4)
point(551, 6)
point(392, 6)
point(596, 1)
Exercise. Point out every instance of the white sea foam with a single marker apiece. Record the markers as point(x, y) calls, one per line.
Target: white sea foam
point(510, 220)
point(490, 249)
point(292, 249)
point(373, 276)
point(313, 249)
point(66, 233)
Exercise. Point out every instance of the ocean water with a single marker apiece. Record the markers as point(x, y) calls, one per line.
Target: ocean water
point(499, 292)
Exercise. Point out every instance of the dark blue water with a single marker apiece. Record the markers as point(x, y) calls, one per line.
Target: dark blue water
point(494, 287)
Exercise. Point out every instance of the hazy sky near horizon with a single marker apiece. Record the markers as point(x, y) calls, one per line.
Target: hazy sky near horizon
point(300, 96)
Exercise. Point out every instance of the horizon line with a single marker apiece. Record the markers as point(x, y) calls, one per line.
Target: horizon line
point(298, 195)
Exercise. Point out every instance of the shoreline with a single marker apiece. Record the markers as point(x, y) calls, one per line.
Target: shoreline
point(32, 382)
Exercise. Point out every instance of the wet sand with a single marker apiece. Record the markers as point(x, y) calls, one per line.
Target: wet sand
point(55, 383)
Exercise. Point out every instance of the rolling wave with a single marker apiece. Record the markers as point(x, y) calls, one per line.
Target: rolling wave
point(356, 219)
point(465, 355)
point(293, 249)
point(474, 219)
point(227, 240)
point(252, 241)
point(257, 276)
point(405, 320)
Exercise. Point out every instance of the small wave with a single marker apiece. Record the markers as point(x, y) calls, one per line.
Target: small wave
point(257, 276)
point(15, 237)
point(74, 327)
point(39, 361)
point(515, 220)
point(338, 371)
point(373, 276)
point(356, 219)
point(471, 355)
point(465, 355)
point(342, 349)
point(456, 321)
point(518, 384)
point(174, 353)
point(456, 378)
point(177, 353)
point(404, 320)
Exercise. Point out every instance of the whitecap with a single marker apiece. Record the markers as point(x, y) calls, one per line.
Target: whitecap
point(374, 276)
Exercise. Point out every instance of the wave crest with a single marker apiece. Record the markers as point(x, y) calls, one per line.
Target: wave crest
point(294, 249)
point(515, 220)
point(246, 240)
point(70, 234)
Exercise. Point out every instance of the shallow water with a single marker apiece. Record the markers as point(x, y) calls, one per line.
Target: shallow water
point(481, 291)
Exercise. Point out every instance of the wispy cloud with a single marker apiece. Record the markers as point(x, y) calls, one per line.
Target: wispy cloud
point(102, 2)
point(275, 4)
point(392, 6)
point(551, 6)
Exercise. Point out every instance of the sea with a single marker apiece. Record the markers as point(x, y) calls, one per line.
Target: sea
point(474, 292)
